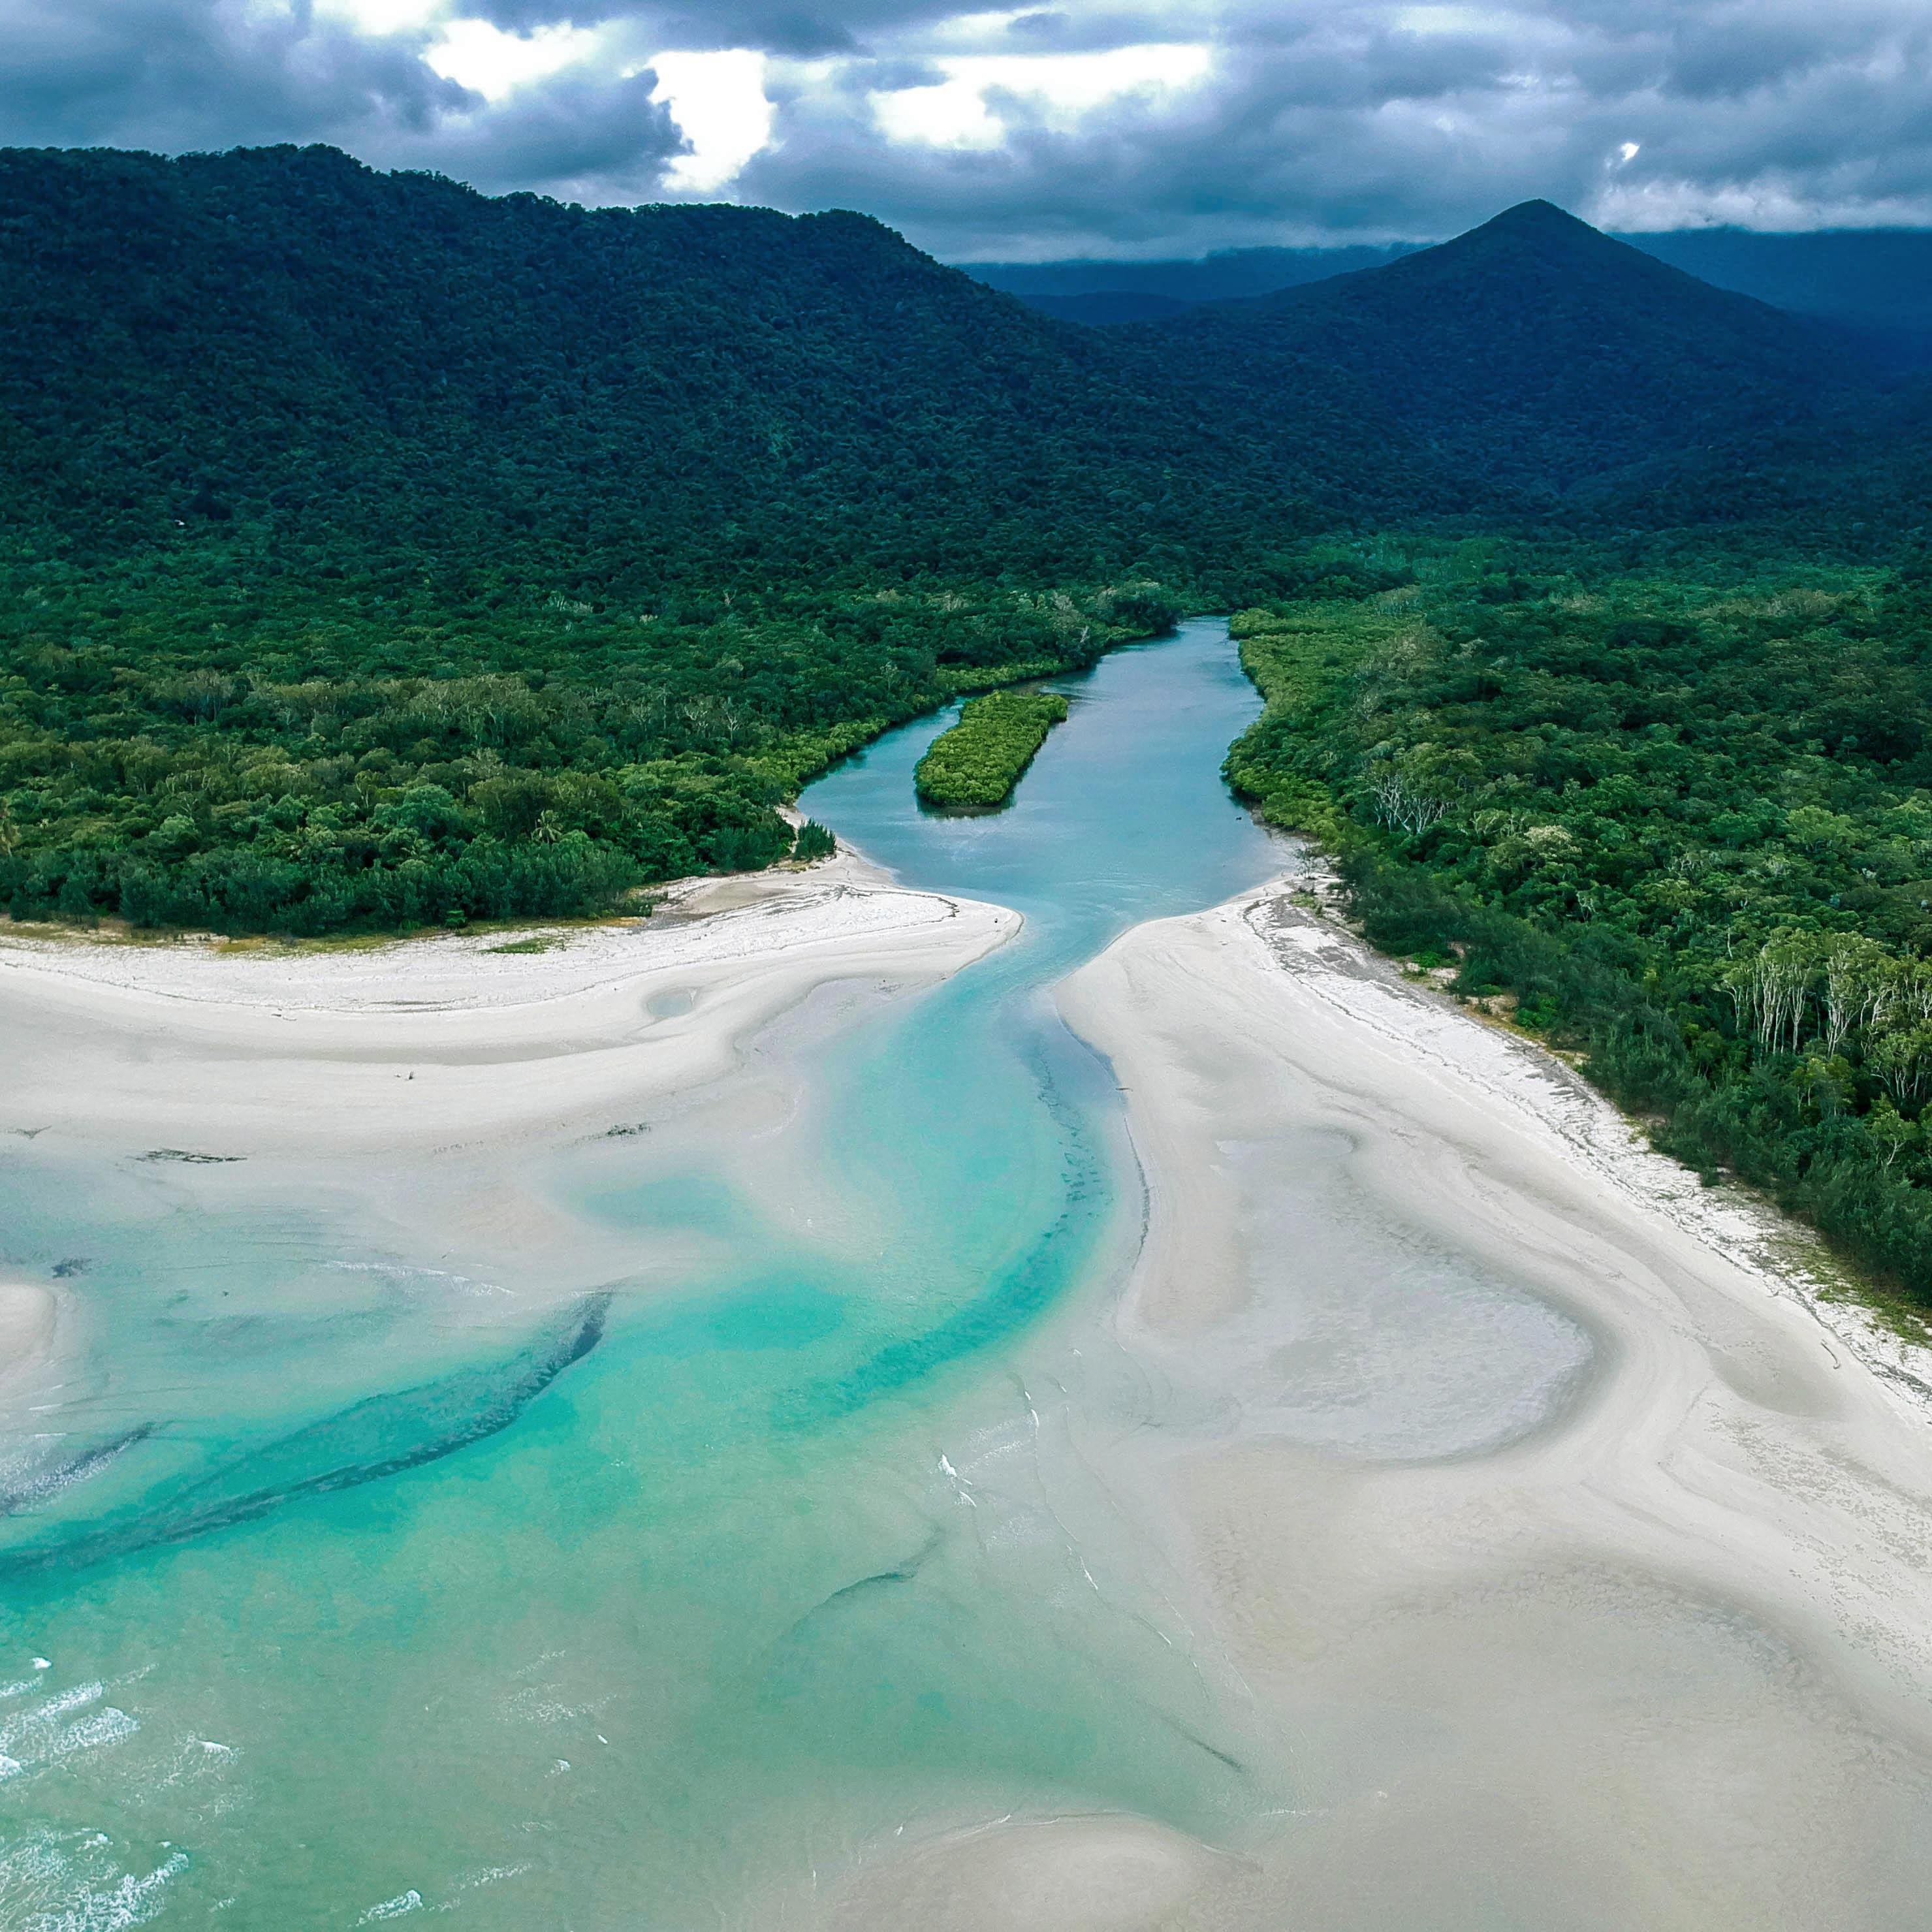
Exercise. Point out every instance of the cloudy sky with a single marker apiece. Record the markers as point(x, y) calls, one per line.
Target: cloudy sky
point(1090, 128)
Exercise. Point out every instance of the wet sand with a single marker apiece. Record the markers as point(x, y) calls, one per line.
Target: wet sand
point(28, 1316)
point(424, 1077)
point(1647, 1643)
point(225, 1051)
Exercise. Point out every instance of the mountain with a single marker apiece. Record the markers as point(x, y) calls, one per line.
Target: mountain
point(1223, 276)
point(375, 553)
point(1875, 281)
point(1527, 355)
point(284, 342)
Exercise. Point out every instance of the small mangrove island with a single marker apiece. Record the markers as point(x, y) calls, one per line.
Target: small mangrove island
point(985, 754)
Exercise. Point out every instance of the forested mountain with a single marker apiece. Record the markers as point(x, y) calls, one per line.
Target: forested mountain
point(1878, 280)
point(1227, 275)
point(1527, 355)
point(1101, 307)
point(288, 341)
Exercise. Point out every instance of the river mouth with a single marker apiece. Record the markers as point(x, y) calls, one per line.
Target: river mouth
point(790, 1522)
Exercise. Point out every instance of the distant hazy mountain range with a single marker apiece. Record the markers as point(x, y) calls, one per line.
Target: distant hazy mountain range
point(1876, 279)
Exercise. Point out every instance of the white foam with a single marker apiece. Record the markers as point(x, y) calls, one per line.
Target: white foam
point(398, 1907)
point(41, 1887)
point(42, 1716)
point(105, 1727)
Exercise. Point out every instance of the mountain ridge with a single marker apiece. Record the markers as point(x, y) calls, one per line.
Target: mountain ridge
point(285, 340)
point(1528, 354)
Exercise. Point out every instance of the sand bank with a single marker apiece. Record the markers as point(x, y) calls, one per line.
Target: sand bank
point(28, 1313)
point(1654, 1648)
point(419, 1095)
point(219, 1052)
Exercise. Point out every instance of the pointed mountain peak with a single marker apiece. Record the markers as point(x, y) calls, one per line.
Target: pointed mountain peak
point(1535, 237)
point(1544, 216)
point(1537, 224)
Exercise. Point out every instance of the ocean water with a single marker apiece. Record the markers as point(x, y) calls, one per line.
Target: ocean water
point(336, 1588)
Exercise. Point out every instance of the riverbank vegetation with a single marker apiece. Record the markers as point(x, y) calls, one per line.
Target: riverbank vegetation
point(980, 759)
point(270, 753)
point(1685, 818)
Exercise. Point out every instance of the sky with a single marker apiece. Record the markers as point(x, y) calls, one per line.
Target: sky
point(1115, 128)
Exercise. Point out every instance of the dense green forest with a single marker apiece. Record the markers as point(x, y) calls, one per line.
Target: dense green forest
point(213, 755)
point(288, 360)
point(1685, 819)
point(374, 553)
point(981, 759)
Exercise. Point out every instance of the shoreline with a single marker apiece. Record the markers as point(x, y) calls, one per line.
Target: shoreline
point(430, 1099)
point(1791, 1261)
point(1687, 1595)
point(1701, 1555)
point(200, 1052)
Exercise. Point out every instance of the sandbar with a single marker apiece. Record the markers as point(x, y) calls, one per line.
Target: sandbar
point(448, 1041)
point(1660, 1652)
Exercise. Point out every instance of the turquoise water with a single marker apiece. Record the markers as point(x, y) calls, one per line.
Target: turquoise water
point(324, 1606)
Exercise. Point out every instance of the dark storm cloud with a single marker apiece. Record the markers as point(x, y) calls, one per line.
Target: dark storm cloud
point(579, 138)
point(174, 75)
point(1321, 122)
point(805, 31)
point(167, 73)
point(1317, 119)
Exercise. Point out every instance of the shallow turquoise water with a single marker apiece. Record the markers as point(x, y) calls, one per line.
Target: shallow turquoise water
point(316, 1616)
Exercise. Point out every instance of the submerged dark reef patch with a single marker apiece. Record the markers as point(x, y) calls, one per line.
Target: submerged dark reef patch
point(381, 1436)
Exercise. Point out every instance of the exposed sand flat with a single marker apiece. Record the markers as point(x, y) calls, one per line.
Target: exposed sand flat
point(421, 1088)
point(1097, 1874)
point(1662, 1658)
point(445, 1041)
point(28, 1314)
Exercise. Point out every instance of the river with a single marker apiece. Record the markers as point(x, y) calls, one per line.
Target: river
point(773, 1568)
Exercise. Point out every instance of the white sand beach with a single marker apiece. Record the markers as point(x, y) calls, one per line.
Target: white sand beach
point(1644, 1642)
point(447, 1041)
point(412, 1087)
point(1663, 1657)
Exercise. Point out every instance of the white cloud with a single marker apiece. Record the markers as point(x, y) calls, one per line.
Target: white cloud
point(1453, 20)
point(484, 58)
point(1657, 207)
point(1056, 90)
point(717, 101)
